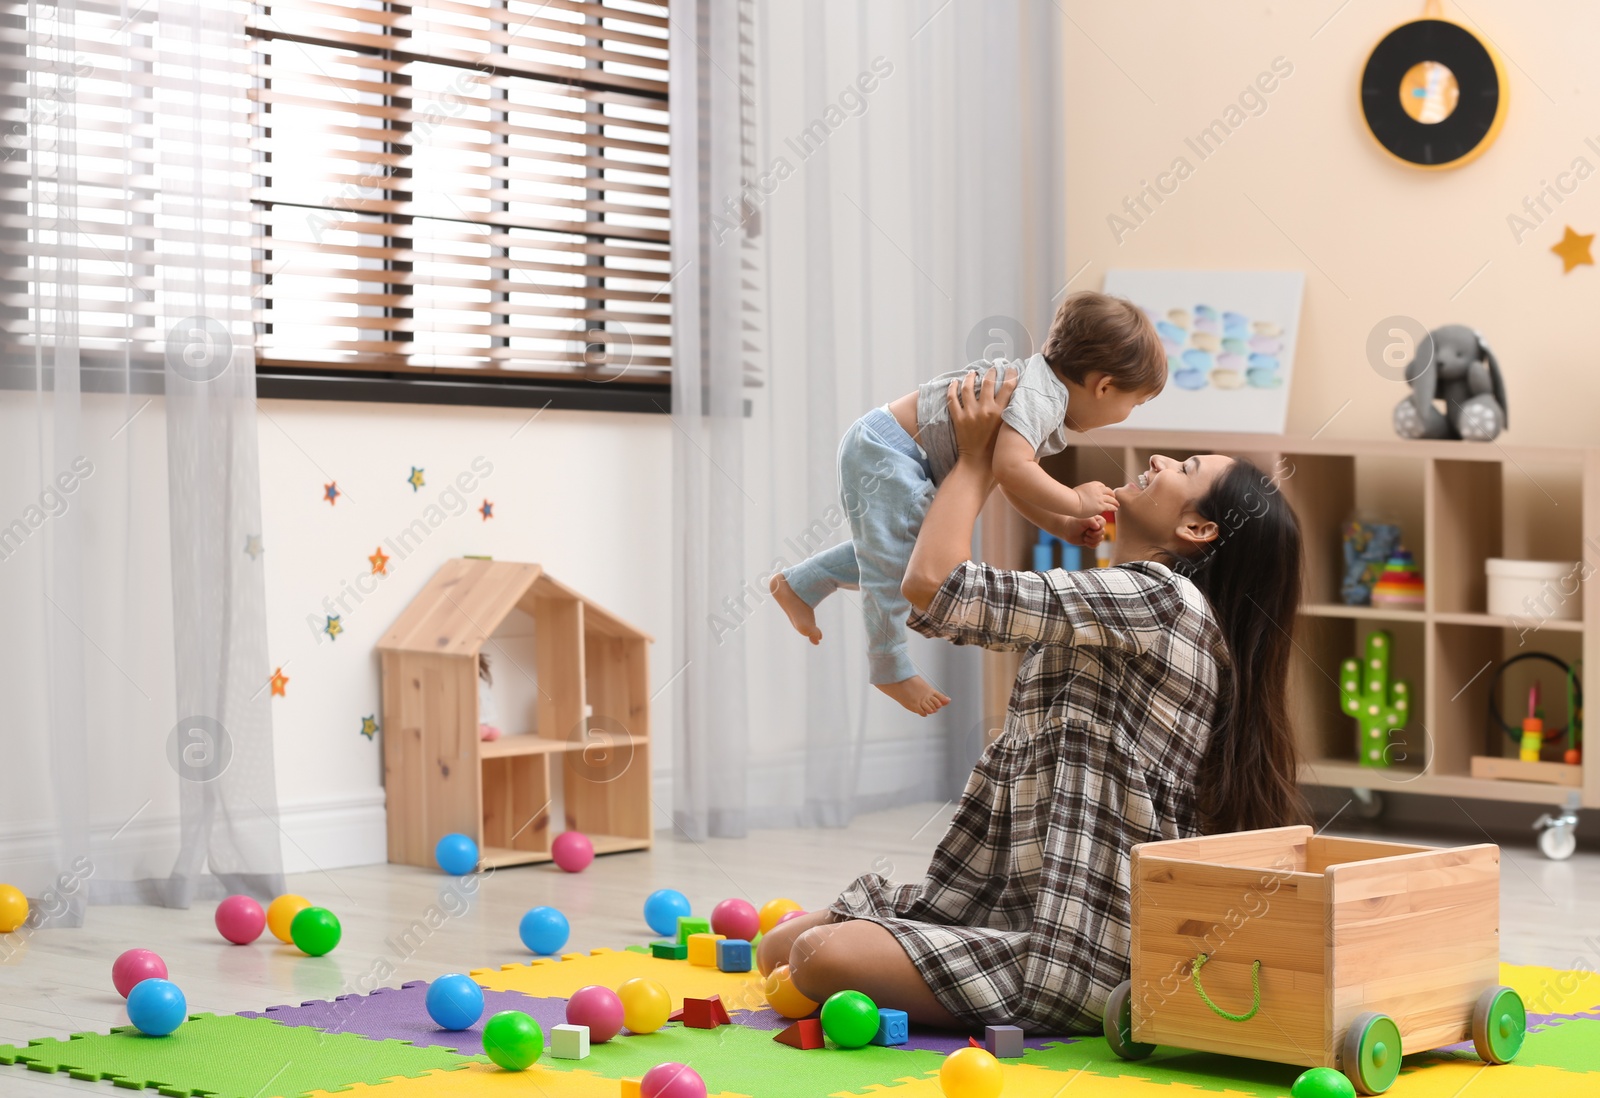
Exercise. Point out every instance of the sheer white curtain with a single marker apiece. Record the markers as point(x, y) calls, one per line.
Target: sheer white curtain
point(866, 193)
point(133, 663)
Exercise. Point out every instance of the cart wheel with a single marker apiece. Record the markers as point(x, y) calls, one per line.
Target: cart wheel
point(1558, 842)
point(1499, 1023)
point(1119, 1024)
point(1372, 1053)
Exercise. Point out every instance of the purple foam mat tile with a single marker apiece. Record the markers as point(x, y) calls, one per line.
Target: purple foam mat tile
point(402, 1013)
point(1536, 1022)
point(921, 1037)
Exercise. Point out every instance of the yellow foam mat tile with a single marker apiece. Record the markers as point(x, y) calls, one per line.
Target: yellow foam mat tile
point(1552, 990)
point(486, 1079)
point(545, 978)
point(1027, 1081)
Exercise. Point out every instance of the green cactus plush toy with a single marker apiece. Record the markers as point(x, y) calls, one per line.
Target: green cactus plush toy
point(1380, 707)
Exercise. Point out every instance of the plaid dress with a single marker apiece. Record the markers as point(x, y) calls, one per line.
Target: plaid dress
point(1023, 916)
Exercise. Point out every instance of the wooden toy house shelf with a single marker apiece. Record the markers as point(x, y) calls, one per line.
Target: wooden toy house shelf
point(1458, 503)
point(591, 726)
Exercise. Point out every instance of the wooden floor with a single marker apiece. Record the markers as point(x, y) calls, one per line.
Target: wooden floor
point(59, 982)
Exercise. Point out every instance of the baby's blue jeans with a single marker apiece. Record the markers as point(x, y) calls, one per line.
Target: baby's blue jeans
point(886, 486)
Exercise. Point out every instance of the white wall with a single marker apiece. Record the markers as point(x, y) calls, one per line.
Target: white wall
point(585, 494)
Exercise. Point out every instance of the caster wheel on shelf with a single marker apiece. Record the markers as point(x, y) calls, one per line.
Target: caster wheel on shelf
point(1119, 1024)
point(1372, 1053)
point(1499, 1023)
point(1557, 842)
point(1367, 803)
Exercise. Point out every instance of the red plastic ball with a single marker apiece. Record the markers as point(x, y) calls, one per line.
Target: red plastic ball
point(573, 852)
point(599, 1008)
point(735, 919)
point(672, 1080)
point(240, 920)
point(134, 966)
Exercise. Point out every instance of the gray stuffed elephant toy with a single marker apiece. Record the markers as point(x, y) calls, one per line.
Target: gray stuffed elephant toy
point(1454, 365)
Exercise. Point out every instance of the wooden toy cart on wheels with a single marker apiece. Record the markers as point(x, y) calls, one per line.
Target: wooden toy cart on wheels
point(1322, 952)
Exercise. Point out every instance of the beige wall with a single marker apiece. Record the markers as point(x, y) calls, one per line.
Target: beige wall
point(1303, 185)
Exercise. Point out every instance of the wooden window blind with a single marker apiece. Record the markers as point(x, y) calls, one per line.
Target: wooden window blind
point(471, 189)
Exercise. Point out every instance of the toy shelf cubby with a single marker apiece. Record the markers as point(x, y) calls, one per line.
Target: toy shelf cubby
point(1458, 504)
point(581, 745)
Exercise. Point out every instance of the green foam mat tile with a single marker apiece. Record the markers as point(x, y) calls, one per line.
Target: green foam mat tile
point(226, 1056)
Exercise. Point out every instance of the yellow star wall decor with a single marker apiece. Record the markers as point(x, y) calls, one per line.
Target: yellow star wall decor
point(1573, 250)
point(279, 682)
point(252, 546)
point(330, 492)
point(487, 510)
point(379, 561)
point(415, 479)
point(369, 726)
point(333, 628)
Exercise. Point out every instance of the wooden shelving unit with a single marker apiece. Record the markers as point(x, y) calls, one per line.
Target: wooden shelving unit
point(591, 718)
point(1455, 502)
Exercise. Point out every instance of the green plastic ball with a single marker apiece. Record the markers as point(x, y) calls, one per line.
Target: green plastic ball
point(315, 930)
point(513, 1040)
point(850, 1019)
point(1323, 1083)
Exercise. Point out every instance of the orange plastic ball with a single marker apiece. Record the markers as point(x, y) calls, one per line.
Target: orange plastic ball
point(783, 996)
point(13, 908)
point(281, 913)
point(773, 910)
point(971, 1073)
point(645, 1005)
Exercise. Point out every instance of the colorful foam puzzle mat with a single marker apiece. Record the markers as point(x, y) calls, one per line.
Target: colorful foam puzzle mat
point(383, 1045)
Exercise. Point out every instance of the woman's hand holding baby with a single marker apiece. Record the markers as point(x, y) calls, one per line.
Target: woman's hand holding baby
point(975, 406)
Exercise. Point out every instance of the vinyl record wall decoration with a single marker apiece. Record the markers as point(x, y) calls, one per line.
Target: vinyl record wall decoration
point(1433, 94)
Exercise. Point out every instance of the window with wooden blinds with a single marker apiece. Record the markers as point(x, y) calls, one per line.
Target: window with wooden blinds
point(458, 193)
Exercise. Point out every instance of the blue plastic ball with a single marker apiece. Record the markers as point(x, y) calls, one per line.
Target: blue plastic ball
point(663, 908)
point(455, 1001)
point(544, 930)
point(456, 854)
point(156, 1007)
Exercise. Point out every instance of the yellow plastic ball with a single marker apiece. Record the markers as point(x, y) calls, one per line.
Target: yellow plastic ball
point(783, 996)
point(971, 1073)
point(13, 908)
point(281, 913)
point(773, 910)
point(645, 1005)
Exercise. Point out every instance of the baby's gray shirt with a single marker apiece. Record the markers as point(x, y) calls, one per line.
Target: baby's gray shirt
point(1037, 411)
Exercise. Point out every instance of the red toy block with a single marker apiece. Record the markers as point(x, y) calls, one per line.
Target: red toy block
point(676, 1016)
point(708, 1013)
point(805, 1034)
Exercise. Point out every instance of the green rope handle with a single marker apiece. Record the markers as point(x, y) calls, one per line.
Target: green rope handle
point(1255, 989)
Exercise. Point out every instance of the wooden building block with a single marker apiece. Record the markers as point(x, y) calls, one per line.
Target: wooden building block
point(569, 1042)
point(804, 1034)
point(703, 949)
point(708, 1013)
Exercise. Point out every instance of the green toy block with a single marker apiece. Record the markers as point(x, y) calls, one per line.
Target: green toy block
point(1381, 707)
point(670, 951)
point(689, 924)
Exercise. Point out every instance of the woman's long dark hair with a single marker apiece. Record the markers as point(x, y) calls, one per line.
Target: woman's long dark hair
point(1251, 577)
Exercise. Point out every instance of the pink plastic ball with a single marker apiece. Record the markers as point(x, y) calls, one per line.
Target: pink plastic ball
point(672, 1080)
point(240, 920)
point(573, 852)
point(787, 915)
point(597, 1007)
point(136, 965)
point(735, 919)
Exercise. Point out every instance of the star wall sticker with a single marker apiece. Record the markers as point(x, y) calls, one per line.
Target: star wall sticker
point(252, 546)
point(330, 492)
point(379, 561)
point(1573, 248)
point(333, 628)
point(369, 726)
point(415, 479)
point(278, 682)
point(487, 510)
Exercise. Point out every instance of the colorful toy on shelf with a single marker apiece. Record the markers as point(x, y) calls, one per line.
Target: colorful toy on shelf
point(156, 1007)
point(513, 1040)
point(1574, 752)
point(1102, 552)
point(1528, 738)
point(1532, 728)
point(132, 967)
point(1367, 548)
point(240, 920)
point(1381, 707)
point(13, 908)
point(1400, 587)
point(663, 908)
point(1453, 365)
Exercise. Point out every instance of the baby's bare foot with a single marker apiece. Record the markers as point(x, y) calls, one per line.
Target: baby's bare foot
point(801, 616)
point(916, 695)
